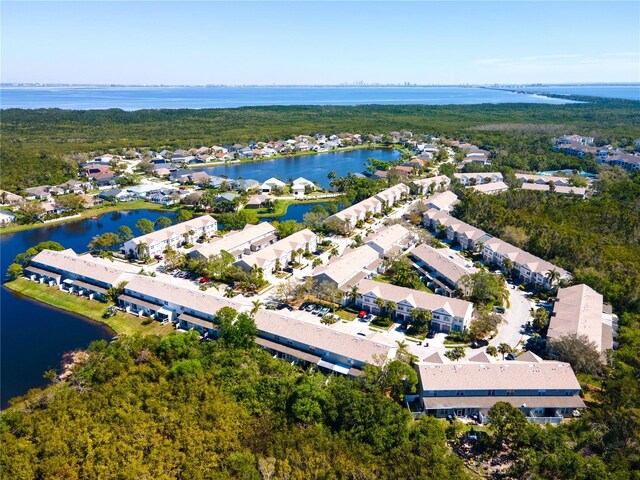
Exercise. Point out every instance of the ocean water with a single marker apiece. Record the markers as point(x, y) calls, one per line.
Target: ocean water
point(136, 98)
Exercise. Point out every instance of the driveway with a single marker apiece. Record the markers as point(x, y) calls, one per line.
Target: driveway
point(516, 316)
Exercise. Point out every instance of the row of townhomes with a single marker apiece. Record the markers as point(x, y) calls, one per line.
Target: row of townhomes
point(334, 351)
point(579, 310)
point(582, 146)
point(346, 270)
point(174, 236)
point(445, 271)
point(277, 255)
point(447, 314)
point(372, 205)
point(531, 269)
point(251, 238)
point(546, 391)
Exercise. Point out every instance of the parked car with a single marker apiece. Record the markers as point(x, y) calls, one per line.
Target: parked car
point(362, 314)
point(310, 307)
point(500, 309)
point(431, 334)
point(158, 257)
point(479, 343)
point(316, 310)
point(288, 269)
point(511, 356)
point(362, 334)
point(324, 311)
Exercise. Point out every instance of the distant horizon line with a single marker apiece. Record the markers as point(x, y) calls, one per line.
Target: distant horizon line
point(341, 85)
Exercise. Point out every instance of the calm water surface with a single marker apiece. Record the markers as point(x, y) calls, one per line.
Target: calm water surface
point(311, 167)
point(136, 98)
point(34, 336)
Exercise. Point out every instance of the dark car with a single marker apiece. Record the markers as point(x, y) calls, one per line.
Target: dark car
point(500, 309)
point(511, 356)
point(479, 343)
point(288, 269)
point(431, 334)
point(158, 257)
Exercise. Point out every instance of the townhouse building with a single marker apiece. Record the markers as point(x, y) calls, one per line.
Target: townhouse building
point(348, 269)
point(491, 188)
point(174, 236)
point(478, 178)
point(447, 314)
point(443, 270)
point(456, 231)
point(545, 391)
point(391, 240)
point(167, 302)
point(442, 201)
point(531, 269)
point(559, 189)
point(81, 275)
point(579, 310)
point(543, 179)
point(330, 350)
point(280, 253)
point(251, 238)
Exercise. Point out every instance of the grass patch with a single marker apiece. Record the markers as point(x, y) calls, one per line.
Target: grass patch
point(346, 315)
point(121, 323)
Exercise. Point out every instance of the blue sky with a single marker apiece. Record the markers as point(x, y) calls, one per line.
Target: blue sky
point(319, 42)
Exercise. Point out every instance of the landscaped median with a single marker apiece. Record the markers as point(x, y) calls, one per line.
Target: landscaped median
point(120, 323)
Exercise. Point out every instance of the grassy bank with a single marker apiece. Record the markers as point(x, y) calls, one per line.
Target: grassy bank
point(120, 323)
point(91, 212)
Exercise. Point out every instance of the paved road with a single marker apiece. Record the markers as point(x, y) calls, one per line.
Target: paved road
point(517, 315)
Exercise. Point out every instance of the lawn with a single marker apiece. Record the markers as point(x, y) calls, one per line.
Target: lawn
point(120, 323)
point(346, 314)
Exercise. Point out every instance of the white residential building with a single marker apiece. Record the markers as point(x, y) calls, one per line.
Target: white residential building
point(447, 314)
point(442, 201)
point(545, 391)
point(331, 350)
point(478, 178)
point(348, 269)
point(490, 188)
point(273, 182)
point(579, 310)
point(174, 236)
point(6, 216)
point(251, 238)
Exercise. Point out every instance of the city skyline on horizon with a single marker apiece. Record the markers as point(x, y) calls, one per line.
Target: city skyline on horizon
point(314, 44)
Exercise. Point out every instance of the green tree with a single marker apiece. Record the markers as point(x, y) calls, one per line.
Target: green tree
point(580, 352)
point(29, 211)
point(183, 215)
point(144, 226)
point(162, 222)
point(508, 424)
point(540, 319)
point(14, 271)
point(455, 353)
point(124, 233)
point(493, 351)
point(503, 349)
point(106, 241)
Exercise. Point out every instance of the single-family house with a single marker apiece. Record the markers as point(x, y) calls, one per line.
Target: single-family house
point(271, 183)
point(6, 216)
point(247, 184)
point(8, 198)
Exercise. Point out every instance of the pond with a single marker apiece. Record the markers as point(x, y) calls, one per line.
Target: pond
point(35, 336)
point(312, 167)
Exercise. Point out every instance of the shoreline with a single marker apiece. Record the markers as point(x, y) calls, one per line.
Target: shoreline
point(368, 146)
point(87, 310)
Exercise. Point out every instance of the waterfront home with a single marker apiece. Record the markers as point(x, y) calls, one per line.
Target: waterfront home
point(442, 201)
point(167, 302)
point(345, 271)
point(81, 275)
point(579, 310)
point(447, 314)
point(559, 189)
point(545, 391)
point(280, 253)
point(300, 186)
point(359, 211)
point(490, 188)
point(432, 184)
point(6, 216)
point(391, 241)
point(478, 178)
point(217, 182)
point(155, 243)
point(331, 350)
point(271, 183)
point(251, 238)
point(402, 170)
point(393, 194)
point(257, 201)
point(162, 197)
point(528, 267)
point(8, 198)
point(444, 270)
point(116, 195)
point(247, 184)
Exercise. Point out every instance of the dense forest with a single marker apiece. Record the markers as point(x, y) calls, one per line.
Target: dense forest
point(597, 240)
point(38, 146)
point(177, 407)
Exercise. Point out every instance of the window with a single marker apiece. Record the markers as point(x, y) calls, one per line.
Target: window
point(460, 393)
point(491, 393)
point(542, 392)
point(510, 393)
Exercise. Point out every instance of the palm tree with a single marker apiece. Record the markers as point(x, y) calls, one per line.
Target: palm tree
point(504, 348)
point(390, 307)
point(3, 197)
point(493, 351)
point(256, 306)
point(353, 293)
point(229, 292)
point(553, 276)
point(142, 250)
point(403, 353)
point(380, 303)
